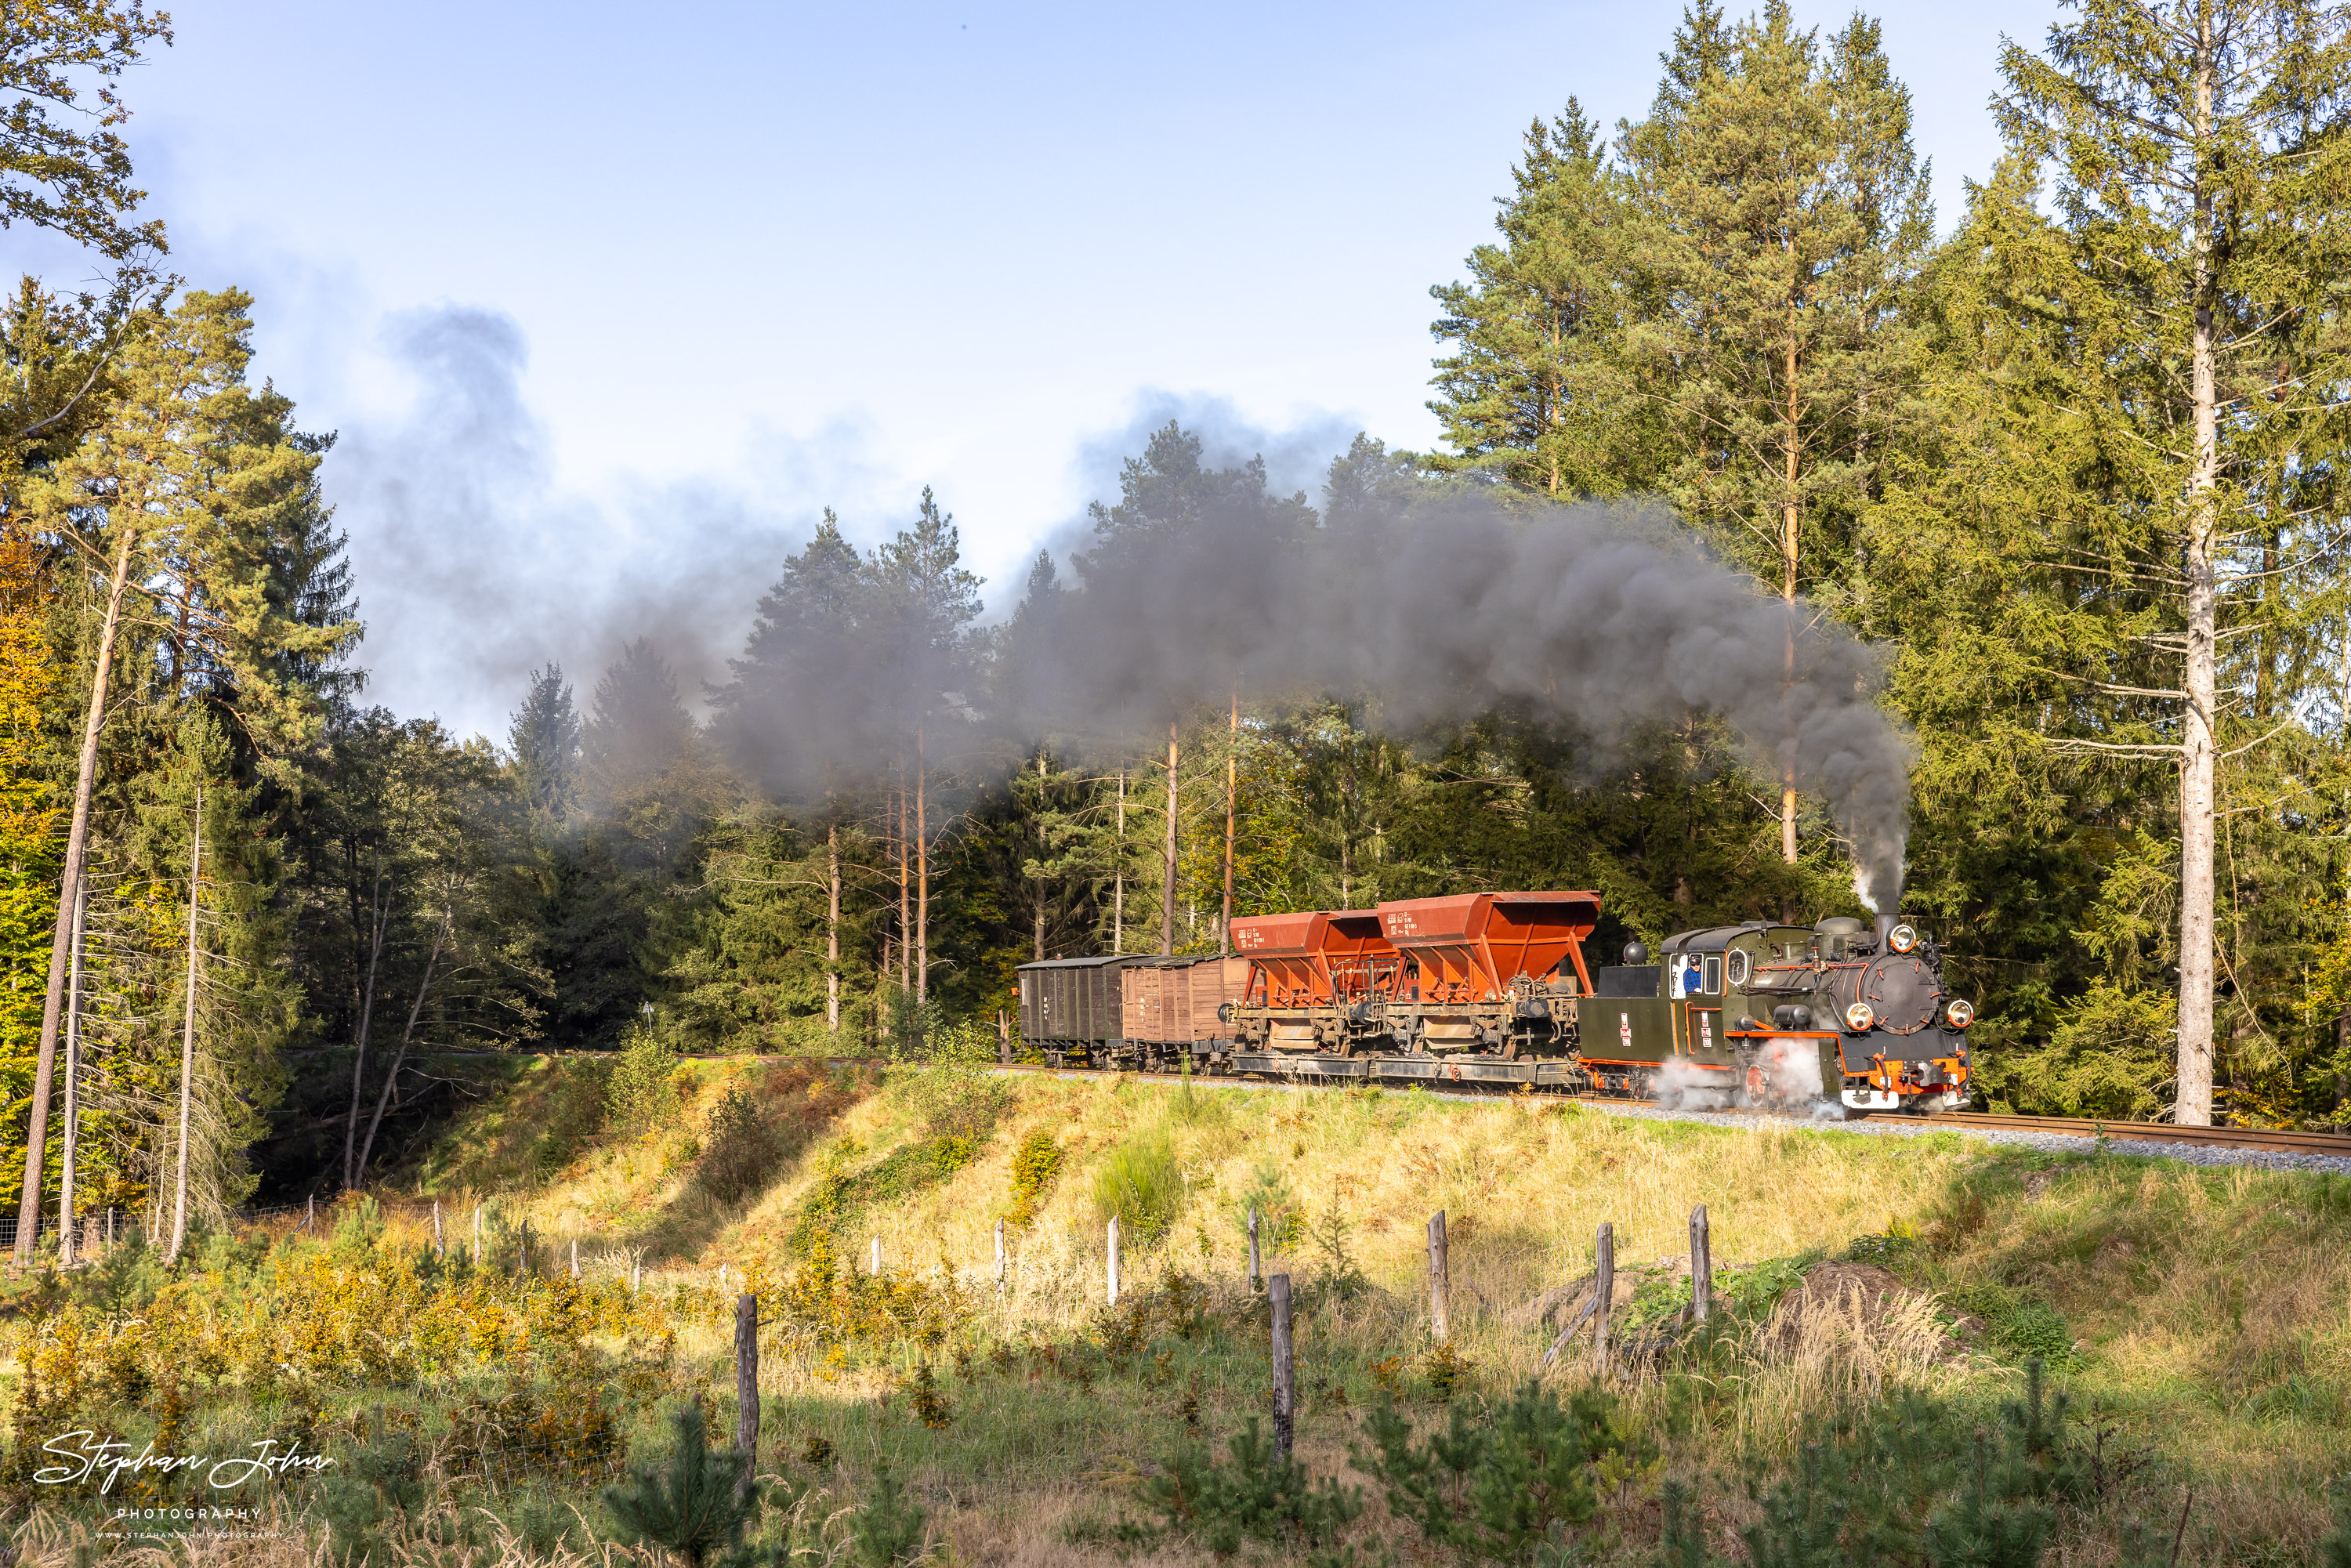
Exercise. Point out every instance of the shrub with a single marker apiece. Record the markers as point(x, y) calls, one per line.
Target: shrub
point(741, 1152)
point(639, 1092)
point(697, 1507)
point(358, 1228)
point(1140, 1184)
point(1034, 1166)
point(1279, 1222)
point(1343, 1277)
point(1256, 1493)
point(955, 1100)
point(891, 1530)
point(1923, 1476)
point(1502, 1484)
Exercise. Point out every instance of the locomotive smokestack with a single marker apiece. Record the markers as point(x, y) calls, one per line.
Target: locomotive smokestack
point(1886, 924)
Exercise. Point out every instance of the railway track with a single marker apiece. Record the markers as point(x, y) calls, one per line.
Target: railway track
point(2272, 1139)
point(2280, 1140)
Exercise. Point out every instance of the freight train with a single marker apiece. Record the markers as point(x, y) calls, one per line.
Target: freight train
point(1493, 989)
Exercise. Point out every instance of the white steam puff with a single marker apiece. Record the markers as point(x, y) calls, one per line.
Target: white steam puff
point(1792, 1075)
point(1682, 1085)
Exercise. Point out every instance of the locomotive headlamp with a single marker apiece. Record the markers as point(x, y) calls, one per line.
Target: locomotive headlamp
point(1902, 938)
point(1961, 1014)
point(1859, 1017)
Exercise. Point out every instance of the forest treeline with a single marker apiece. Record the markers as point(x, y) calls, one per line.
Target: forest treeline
point(2075, 468)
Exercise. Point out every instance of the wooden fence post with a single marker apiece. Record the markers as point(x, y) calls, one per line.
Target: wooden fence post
point(1285, 1368)
point(439, 1250)
point(575, 1257)
point(1255, 1274)
point(477, 1236)
point(1440, 1310)
point(877, 1254)
point(311, 1220)
point(1701, 1268)
point(747, 1386)
point(1003, 1039)
point(1000, 1257)
point(636, 1275)
point(1113, 1259)
point(522, 1265)
point(1603, 1297)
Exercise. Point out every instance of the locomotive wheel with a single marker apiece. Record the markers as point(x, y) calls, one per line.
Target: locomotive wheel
point(1755, 1087)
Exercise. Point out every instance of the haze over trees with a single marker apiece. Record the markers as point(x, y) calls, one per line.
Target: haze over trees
point(2076, 467)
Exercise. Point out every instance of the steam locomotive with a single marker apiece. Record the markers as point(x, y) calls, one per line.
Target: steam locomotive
point(1493, 989)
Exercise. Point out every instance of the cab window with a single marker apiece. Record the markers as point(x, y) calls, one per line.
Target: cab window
point(1714, 976)
point(1735, 966)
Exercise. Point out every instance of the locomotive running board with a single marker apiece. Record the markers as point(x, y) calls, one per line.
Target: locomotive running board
point(1408, 1069)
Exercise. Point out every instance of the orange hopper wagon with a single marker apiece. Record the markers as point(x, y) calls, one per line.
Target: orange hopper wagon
point(1314, 977)
point(1489, 971)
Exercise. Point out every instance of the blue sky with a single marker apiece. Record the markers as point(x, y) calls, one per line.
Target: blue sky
point(608, 301)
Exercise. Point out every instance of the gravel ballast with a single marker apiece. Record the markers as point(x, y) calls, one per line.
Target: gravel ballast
point(2054, 1143)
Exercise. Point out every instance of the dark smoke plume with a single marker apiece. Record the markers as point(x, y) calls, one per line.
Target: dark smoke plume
point(1436, 615)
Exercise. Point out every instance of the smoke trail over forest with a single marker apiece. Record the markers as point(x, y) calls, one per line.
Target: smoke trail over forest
point(1435, 616)
point(1429, 611)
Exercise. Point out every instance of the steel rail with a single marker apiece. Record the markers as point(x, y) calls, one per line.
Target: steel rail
point(2282, 1139)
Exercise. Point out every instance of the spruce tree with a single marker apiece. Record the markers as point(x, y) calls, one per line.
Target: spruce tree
point(2147, 443)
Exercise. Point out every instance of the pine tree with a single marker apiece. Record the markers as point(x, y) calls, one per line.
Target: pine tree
point(1782, 217)
point(175, 499)
point(1533, 391)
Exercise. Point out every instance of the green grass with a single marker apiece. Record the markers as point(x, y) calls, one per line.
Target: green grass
point(2198, 1320)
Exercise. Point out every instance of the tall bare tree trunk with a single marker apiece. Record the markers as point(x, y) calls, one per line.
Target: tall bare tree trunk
point(905, 914)
point(67, 1250)
point(1232, 787)
point(37, 1132)
point(1037, 904)
point(2199, 746)
point(832, 928)
point(1168, 883)
point(400, 1057)
point(367, 1014)
point(1790, 514)
point(922, 877)
point(188, 1038)
point(1118, 873)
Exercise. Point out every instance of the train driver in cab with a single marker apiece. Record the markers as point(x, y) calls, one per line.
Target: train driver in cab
point(1689, 978)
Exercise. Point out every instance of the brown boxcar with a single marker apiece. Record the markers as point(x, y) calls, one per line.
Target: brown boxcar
point(1176, 1002)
